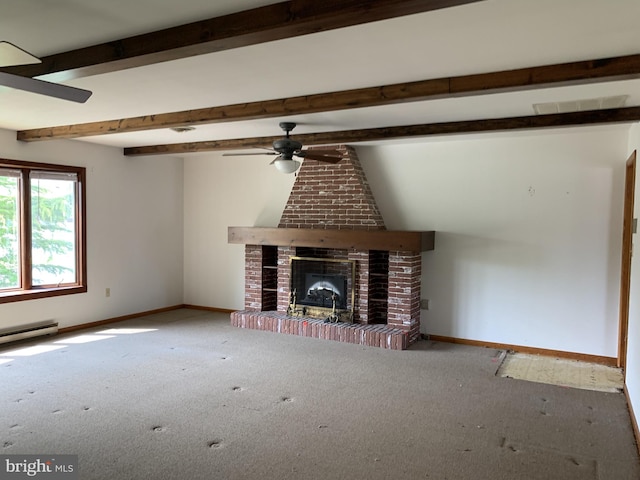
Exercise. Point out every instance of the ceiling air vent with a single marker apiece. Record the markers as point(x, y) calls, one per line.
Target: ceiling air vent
point(601, 103)
point(183, 129)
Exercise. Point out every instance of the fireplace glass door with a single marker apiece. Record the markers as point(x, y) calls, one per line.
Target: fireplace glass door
point(321, 286)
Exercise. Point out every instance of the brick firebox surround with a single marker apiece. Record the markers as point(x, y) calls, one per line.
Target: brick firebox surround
point(331, 213)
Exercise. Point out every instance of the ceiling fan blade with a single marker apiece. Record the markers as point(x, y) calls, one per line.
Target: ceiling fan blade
point(320, 156)
point(49, 89)
point(250, 153)
point(331, 153)
point(11, 55)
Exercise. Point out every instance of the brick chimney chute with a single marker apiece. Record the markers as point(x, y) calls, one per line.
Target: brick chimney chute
point(332, 196)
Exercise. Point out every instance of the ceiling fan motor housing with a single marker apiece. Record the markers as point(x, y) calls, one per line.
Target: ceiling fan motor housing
point(286, 145)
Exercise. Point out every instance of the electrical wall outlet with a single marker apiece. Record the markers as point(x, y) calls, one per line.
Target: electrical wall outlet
point(107, 292)
point(424, 304)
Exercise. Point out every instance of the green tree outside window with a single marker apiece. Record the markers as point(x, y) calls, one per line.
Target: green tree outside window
point(52, 229)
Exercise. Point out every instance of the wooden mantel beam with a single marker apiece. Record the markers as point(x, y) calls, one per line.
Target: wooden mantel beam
point(386, 240)
point(575, 73)
point(595, 117)
point(249, 27)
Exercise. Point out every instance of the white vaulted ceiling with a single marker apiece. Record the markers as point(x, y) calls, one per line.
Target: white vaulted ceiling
point(481, 37)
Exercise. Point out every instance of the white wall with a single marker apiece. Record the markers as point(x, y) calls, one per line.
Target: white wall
point(528, 230)
point(528, 233)
point(134, 233)
point(633, 344)
point(220, 192)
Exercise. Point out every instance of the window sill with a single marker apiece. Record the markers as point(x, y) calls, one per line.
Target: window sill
point(23, 295)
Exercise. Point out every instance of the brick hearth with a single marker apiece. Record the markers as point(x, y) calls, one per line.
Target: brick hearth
point(328, 205)
point(371, 335)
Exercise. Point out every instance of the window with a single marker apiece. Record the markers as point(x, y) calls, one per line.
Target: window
point(42, 230)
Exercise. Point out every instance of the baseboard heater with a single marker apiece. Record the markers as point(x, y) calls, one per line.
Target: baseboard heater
point(13, 334)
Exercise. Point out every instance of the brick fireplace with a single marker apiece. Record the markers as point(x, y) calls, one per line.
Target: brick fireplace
point(332, 216)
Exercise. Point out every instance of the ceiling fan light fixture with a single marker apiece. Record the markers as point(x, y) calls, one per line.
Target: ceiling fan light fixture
point(286, 166)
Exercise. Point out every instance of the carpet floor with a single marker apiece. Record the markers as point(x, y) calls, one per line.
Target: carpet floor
point(184, 395)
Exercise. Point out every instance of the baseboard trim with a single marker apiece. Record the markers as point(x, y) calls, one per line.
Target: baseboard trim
point(634, 421)
point(583, 357)
point(208, 309)
point(99, 323)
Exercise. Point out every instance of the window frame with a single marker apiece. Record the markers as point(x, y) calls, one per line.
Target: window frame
point(26, 290)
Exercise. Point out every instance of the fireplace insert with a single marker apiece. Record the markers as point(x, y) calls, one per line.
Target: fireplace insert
point(321, 287)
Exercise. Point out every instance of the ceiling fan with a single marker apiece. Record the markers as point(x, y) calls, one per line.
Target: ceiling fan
point(11, 55)
point(286, 148)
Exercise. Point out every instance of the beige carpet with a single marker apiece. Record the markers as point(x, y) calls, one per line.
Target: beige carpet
point(190, 397)
point(562, 372)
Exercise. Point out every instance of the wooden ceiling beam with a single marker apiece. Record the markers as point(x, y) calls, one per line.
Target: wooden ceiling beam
point(250, 27)
point(574, 73)
point(594, 117)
